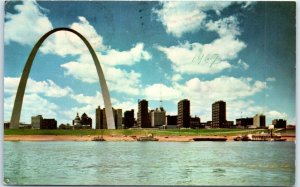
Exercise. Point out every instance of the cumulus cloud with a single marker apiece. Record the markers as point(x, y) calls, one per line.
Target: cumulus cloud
point(224, 27)
point(161, 92)
point(66, 43)
point(243, 64)
point(84, 99)
point(203, 58)
point(118, 80)
point(115, 57)
point(33, 105)
point(27, 25)
point(271, 79)
point(179, 17)
point(176, 77)
point(30, 18)
point(274, 114)
point(209, 58)
point(47, 88)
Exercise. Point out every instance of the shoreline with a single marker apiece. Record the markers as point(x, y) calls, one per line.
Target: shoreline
point(123, 138)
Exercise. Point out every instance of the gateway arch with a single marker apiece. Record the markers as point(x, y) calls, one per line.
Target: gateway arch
point(16, 113)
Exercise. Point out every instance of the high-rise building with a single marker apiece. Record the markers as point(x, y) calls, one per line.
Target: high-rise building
point(99, 118)
point(118, 118)
point(128, 119)
point(259, 120)
point(143, 115)
point(158, 117)
point(279, 123)
point(183, 118)
point(101, 122)
point(219, 115)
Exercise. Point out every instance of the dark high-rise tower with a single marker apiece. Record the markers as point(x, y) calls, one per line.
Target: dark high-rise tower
point(219, 114)
point(183, 118)
point(99, 118)
point(129, 119)
point(143, 115)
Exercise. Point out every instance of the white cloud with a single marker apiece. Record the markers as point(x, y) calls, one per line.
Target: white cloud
point(203, 58)
point(229, 88)
point(47, 88)
point(161, 92)
point(66, 43)
point(33, 105)
point(84, 99)
point(118, 80)
point(274, 114)
point(176, 77)
point(224, 27)
point(27, 25)
point(248, 4)
point(243, 64)
point(271, 79)
point(115, 57)
point(184, 17)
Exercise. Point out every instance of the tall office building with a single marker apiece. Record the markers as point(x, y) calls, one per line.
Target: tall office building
point(158, 117)
point(99, 118)
point(128, 119)
point(143, 115)
point(101, 122)
point(259, 120)
point(183, 118)
point(219, 115)
point(118, 118)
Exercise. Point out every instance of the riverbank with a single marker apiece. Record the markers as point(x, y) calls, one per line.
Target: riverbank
point(112, 138)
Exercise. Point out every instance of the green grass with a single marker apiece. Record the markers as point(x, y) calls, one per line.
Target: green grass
point(136, 132)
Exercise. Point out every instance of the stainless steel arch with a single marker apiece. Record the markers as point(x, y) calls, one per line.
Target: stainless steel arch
point(16, 113)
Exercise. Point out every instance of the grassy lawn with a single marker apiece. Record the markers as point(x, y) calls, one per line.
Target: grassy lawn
point(137, 132)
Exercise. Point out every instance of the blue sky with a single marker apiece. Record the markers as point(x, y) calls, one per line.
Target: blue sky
point(239, 52)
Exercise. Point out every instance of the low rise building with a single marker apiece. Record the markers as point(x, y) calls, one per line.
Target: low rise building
point(84, 122)
point(38, 122)
point(158, 117)
point(195, 123)
point(279, 123)
point(171, 122)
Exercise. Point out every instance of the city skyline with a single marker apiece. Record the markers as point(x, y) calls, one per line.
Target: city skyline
point(163, 61)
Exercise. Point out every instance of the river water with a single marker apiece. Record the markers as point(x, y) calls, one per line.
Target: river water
point(149, 163)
